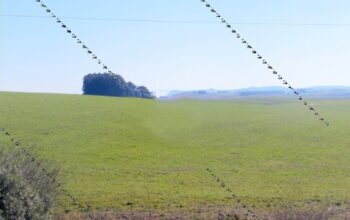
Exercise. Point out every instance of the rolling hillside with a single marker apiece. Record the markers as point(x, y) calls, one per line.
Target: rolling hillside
point(149, 154)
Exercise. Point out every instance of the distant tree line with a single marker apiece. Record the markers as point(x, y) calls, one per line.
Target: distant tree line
point(109, 84)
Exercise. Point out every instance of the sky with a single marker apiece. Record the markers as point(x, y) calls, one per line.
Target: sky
point(139, 40)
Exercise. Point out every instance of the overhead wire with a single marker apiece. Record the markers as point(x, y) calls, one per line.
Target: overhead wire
point(264, 62)
point(247, 211)
point(78, 40)
point(167, 21)
point(38, 164)
point(106, 68)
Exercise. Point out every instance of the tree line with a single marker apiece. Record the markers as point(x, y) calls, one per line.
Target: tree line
point(110, 84)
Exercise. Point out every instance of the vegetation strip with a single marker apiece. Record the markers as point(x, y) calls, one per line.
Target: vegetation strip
point(39, 166)
point(264, 62)
point(247, 210)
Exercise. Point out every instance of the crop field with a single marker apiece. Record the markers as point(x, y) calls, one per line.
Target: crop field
point(120, 153)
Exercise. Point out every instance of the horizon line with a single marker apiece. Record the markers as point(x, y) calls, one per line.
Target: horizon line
point(177, 90)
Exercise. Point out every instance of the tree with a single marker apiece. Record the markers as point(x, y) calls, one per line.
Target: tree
point(109, 84)
point(143, 92)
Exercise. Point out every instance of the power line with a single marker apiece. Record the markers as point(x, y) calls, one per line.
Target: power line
point(113, 19)
point(39, 166)
point(247, 211)
point(264, 62)
point(127, 20)
point(26, 152)
point(78, 40)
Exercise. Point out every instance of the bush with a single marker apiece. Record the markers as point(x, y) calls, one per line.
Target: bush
point(26, 192)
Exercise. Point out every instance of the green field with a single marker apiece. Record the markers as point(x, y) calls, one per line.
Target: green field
point(154, 154)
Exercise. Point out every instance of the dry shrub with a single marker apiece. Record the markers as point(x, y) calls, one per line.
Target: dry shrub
point(26, 192)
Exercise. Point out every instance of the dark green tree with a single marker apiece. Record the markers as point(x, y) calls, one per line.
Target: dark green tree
point(108, 84)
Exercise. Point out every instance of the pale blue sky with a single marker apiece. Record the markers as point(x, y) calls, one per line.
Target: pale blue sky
point(38, 56)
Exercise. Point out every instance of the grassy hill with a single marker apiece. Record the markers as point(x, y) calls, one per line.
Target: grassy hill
point(152, 154)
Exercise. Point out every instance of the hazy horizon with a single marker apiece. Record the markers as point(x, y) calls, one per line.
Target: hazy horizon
point(159, 94)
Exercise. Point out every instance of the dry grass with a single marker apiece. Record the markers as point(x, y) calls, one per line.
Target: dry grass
point(320, 214)
point(209, 213)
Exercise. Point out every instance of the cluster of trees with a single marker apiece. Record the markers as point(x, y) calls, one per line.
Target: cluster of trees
point(109, 84)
